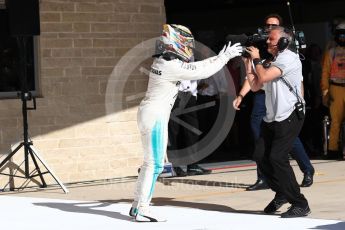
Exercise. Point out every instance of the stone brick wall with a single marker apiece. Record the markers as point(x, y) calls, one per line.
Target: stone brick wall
point(79, 135)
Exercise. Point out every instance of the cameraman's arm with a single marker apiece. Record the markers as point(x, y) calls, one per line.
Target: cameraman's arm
point(267, 74)
point(263, 74)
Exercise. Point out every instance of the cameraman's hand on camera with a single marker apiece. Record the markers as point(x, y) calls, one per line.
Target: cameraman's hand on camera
point(253, 52)
point(232, 51)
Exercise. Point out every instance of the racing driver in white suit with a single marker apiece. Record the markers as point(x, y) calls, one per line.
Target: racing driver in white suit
point(171, 65)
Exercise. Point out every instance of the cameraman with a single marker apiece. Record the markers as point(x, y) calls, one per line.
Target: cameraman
point(282, 122)
point(259, 111)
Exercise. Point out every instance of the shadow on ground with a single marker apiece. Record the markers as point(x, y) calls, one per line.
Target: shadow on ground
point(85, 207)
point(337, 226)
point(169, 181)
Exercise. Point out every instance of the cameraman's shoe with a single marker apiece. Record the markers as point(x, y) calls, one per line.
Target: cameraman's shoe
point(195, 169)
point(274, 205)
point(295, 211)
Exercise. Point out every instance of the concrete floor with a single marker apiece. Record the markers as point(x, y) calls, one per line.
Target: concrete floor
point(223, 190)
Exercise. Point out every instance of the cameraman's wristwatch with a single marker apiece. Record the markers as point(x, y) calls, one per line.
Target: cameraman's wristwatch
point(257, 61)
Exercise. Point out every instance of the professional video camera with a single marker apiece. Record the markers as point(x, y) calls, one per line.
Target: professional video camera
point(257, 39)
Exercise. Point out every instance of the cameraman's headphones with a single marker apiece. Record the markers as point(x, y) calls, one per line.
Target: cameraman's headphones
point(283, 42)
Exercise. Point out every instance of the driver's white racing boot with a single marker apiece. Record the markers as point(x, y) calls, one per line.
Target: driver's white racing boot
point(145, 215)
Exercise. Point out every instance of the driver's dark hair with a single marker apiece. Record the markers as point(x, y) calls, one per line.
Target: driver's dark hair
point(275, 15)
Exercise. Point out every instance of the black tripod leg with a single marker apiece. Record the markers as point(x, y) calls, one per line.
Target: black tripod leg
point(11, 155)
point(37, 155)
point(44, 185)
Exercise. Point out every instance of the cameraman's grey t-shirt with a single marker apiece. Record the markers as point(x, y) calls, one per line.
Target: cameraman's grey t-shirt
point(280, 101)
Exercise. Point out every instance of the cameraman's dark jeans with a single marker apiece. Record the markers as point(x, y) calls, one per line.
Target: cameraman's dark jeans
point(298, 152)
point(271, 153)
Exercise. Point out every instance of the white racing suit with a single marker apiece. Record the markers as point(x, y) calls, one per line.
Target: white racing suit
point(154, 112)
